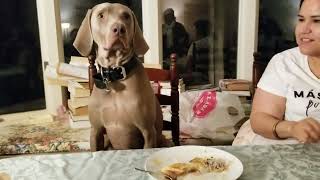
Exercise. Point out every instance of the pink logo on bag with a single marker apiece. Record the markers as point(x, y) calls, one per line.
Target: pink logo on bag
point(205, 104)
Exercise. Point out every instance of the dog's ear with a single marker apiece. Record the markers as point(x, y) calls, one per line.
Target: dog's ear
point(84, 40)
point(140, 45)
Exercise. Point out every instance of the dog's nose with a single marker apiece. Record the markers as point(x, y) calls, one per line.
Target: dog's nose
point(118, 29)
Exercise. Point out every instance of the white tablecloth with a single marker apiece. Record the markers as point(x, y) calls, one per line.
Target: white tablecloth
point(294, 162)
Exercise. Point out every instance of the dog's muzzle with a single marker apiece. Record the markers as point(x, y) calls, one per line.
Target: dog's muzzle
point(111, 74)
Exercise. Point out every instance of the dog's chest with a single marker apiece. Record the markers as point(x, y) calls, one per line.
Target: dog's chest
point(123, 108)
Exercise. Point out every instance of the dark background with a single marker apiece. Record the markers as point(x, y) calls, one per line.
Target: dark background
point(21, 86)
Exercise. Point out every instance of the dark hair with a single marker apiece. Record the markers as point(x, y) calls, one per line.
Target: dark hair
point(301, 3)
point(202, 27)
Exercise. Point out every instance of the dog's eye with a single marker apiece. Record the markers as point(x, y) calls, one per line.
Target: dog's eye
point(100, 16)
point(126, 16)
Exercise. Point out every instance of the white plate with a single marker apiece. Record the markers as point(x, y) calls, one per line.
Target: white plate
point(168, 156)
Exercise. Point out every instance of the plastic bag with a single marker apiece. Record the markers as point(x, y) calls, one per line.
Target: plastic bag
point(209, 114)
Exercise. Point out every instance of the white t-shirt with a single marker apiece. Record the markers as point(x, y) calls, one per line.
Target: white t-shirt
point(287, 75)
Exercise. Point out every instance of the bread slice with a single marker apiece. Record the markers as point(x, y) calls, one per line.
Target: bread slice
point(179, 169)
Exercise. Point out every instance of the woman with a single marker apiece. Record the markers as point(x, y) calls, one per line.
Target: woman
point(286, 105)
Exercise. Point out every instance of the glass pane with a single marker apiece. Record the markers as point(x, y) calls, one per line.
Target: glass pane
point(74, 11)
point(21, 78)
point(276, 26)
point(204, 37)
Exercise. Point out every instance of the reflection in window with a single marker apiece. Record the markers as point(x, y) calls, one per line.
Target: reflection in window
point(73, 12)
point(204, 37)
point(276, 26)
point(21, 79)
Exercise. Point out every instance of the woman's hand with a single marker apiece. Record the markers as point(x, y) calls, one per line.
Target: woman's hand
point(306, 130)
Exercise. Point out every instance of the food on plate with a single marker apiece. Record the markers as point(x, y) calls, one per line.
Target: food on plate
point(179, 169)
point(210, 164)
point(197, 166)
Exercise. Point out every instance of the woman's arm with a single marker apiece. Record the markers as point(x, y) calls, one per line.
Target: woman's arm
point(268, 109)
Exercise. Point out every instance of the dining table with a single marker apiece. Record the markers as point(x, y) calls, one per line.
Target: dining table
point(260, 162)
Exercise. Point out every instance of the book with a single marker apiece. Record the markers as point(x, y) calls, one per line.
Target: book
point(78, 84)
point(78, 92)
point(73, 105)
point(79, 121)
point(79, 101)
point(77, 110)
point(73, 70)
point(54, 78)
point(235, 84)
point(78, 89)
point(164, 87)
point(76, 118)
point(167, 91)
point(238, 93)
point(156, 66)
point(79, 61)
point(166, 84)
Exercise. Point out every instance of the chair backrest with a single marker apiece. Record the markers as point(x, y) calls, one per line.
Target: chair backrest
point(171, 75)
point(259, 65)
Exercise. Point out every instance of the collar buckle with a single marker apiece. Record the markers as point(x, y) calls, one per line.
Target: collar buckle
point(122, 72)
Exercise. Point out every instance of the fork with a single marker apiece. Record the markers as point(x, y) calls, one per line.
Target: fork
point(152, 172)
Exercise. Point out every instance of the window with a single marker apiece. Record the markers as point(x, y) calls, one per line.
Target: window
point(21, 77)
point(276, 26)
point(204, 37)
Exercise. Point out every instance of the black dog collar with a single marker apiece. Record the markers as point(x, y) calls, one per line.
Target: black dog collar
point(110, 74)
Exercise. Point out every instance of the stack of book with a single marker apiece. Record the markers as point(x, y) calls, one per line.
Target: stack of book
point(238, 87)
point(78, 104)
point(234, 84)
point(164, 87)
point(73, 76)
point(61, 73)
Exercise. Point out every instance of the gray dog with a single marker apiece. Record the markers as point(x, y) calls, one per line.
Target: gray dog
point(123, 110)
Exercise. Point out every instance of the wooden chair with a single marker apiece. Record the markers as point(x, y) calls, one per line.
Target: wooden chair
point(171, 75)
point(259, 65)
point(157, 75)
